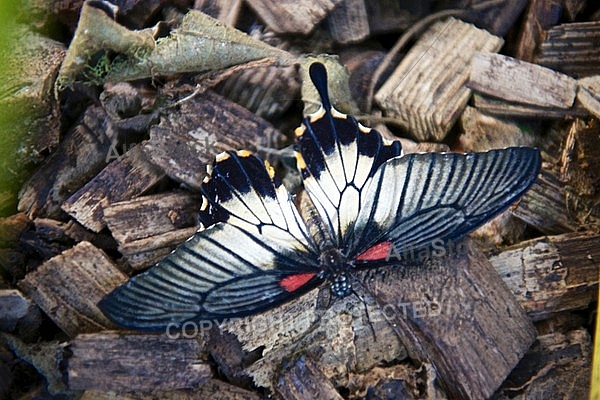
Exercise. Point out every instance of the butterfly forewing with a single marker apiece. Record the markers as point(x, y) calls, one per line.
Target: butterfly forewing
point(420, 198)
point(254, 254)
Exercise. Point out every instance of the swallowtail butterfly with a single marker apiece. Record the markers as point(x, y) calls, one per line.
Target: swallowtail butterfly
point(254, 250)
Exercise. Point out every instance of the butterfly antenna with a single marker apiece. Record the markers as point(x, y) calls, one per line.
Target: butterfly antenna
point(318, 76)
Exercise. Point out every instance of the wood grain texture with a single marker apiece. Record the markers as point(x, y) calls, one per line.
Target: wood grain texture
point(518, 81)
point(451, 312)
point(127, 177)
point(426, 92)
point(289, 16)
point(111, 361)
point(68, 287)
point(552, 274)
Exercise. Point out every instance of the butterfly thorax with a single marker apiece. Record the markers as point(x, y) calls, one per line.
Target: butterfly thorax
point(336, 269)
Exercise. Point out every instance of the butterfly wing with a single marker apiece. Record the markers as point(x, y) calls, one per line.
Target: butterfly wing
point(418, 200)
point(252, 254)
point(337, 157)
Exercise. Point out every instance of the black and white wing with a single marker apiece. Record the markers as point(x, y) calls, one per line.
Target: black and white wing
point(253, 254)
point(418, 200)
point(337, 157)
point(372, 197)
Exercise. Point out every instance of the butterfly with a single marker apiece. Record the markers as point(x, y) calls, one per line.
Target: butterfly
point(254, 251)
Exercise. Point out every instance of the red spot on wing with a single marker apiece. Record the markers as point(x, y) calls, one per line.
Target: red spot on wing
point(377, 252)
point(294, 282)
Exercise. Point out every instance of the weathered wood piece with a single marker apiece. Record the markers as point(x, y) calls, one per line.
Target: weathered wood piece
point(589, 94)
point(426, 92)
point(303, 380)
point(557, 366)
point(482, 132)
point(290, 16)
point(152, 215)
point(111, 361)
point(267, 92)
point(44, 356)
point(543, 206)
point(142, 253)
point(122, 179)
point(502, 108)
point(387, 16)
point(16, 309)
point(450, 312)
point(207, 390)
point(580, 161)
point(341, 339)
point(518, 81)
point(225, 11)
point(348, 21)
point(150, 227)
point(80, 155)
point(552, 274)
point(68, 287)
point(497, 18)
point(540, 15)
point(189, 138)
point(572, 48)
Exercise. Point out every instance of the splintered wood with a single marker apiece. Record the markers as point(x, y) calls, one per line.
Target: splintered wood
point(68, 287)
point(552, 274)
point(457, 305)
point(426, 92)
point(572, 49)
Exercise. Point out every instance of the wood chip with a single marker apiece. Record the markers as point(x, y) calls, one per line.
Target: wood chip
point(589, 94)
point(289, 16)
point(81, 155)
point(502, 108)
point(304, 380)
point(572, 49)
point(543, 206)
point(513, 80)
point(340, 339)
point(426, 92)
point(14, 308)
point(348, 21)
point(450, 312)
point(552, 274)
point(207, 390)
point(387, 16)
point(111, 361)
point(189, 138)
point(122, 179)
point(152, 215)
point(558, 366)
point(540, 15)
point(68, 287)
point(144, 252)
point(267, 92)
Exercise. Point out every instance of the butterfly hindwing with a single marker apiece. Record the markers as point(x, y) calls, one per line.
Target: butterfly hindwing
point(337, 157)
point(417, 199)
point(253, 254)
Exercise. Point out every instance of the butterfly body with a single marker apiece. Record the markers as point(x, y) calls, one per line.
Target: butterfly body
point(255, 251)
